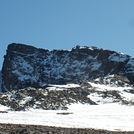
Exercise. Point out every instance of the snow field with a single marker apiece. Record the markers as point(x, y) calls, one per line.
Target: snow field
point(107, 116)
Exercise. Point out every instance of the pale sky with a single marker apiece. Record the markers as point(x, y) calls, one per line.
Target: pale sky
point(62, 24)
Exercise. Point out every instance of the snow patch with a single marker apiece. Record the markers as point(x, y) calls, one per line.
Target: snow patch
point(99, 99)
point(102, 87)
point(3, 108)
point(26, 99)
point(117, 58)
point(62, 87)
point(66, 86)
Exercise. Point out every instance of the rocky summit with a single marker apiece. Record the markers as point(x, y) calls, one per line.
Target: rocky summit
point(26, 66)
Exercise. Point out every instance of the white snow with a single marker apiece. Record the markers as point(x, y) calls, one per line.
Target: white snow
point(128, 96)
point(99, 99)
point(107, 116)
point(3, 108)
point(55, 88)
point(102, 87)
point(26, 99)
point(118, 58)
point(65, 86)
point(85, 47)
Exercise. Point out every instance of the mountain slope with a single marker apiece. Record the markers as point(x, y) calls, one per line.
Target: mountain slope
point(103, 90)
point(27, 66)
point(85, 87)
point(104, 103)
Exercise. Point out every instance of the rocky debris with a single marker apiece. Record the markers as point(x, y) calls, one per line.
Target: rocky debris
point(110, 89)
point(26, 66)
point(113, 80)
point(65, 113)
point(33, 129)
point(43, 99)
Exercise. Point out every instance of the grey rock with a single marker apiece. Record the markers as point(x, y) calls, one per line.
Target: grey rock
point(26, 66)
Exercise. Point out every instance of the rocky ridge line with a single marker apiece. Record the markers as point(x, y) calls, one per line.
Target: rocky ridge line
point(26, 66)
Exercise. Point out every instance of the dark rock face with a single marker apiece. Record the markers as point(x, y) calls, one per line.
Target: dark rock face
point(27, 66)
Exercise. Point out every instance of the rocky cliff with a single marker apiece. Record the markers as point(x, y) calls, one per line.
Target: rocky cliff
point(27, 66)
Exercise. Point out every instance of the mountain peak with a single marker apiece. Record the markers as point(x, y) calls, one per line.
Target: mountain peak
point(28, 66)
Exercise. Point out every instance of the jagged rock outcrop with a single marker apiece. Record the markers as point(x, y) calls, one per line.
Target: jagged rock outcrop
point(27, 66)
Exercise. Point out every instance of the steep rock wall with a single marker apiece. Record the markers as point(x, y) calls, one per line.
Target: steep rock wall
point(26, 66)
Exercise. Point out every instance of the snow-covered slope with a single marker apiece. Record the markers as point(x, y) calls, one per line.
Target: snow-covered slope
point(103, 90)
point(112, 89)
point(102, 103)
point(108, 116)
point(27, 66)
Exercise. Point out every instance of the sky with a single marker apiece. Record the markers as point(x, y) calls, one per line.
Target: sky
point(63, 24)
